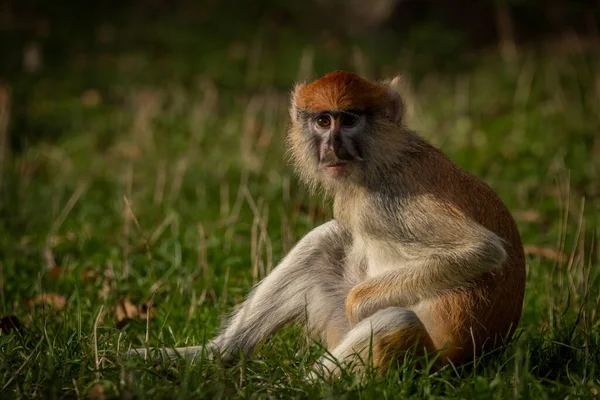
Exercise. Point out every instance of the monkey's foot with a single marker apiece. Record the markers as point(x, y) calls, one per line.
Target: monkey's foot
point(207, 352)
point(327, 368)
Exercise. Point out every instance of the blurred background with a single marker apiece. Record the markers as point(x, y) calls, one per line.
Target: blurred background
point(68, 58)
point(142, 161)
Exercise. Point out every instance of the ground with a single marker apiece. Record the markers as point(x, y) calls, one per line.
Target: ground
point(144, 174)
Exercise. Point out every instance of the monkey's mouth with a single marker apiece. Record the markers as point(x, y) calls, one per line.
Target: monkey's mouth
point(336, 168)
point(335, 164)
point(329, 159)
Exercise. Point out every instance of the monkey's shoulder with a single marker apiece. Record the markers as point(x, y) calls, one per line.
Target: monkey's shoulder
point(460, 192)
point(422, 220)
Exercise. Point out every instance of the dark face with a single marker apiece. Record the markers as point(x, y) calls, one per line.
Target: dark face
point(337, 135)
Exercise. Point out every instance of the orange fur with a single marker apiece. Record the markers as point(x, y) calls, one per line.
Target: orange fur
point(395, 344)
point(340, 90)
point(486, 314)
point(356, 295)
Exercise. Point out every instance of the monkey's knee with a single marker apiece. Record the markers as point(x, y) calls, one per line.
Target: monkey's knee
point(375, 341)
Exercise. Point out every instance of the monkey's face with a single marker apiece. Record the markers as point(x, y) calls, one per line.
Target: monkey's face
point(328, 147)
point(337, 135)
point(343, 128)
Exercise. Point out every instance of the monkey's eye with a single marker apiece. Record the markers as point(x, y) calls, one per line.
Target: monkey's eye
point(349, 120)
point(323, 121)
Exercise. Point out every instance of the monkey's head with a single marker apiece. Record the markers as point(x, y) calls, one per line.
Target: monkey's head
point(344, 128)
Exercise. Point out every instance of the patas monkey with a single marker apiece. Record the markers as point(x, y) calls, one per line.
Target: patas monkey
point(420, 252)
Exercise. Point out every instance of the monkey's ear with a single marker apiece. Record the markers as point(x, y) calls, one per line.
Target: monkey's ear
point(294, 102)
point(394, 109)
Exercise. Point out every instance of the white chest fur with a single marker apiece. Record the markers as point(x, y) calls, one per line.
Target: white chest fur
point(377, 255)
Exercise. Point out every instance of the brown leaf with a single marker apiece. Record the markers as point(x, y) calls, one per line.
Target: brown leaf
point(145, 309)
point(542, 251)
point(104, 279)
point(9, 323)
point(89, 274)
point(96, 392)
point(105, 290)
point(57, 271)
point(46, 300)
point(126, 311)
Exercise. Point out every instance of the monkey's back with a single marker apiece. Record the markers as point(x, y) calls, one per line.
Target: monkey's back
point(483, 315)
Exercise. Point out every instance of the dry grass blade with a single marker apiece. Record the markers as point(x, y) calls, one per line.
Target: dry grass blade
point(543, 251)
point(305, 66)
point(64, 213)
point(203, 255)
point(130, 216)
point(96, 356)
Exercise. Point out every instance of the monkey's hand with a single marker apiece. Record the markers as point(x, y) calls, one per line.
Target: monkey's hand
point(368, 297)
point(354, 304)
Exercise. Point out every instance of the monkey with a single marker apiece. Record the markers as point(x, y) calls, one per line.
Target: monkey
point(420, 254)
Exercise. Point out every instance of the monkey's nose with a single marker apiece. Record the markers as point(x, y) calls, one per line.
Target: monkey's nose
point(340, 151)
point(344, 149)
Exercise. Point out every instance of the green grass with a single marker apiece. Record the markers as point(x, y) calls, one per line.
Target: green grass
point(172, 187)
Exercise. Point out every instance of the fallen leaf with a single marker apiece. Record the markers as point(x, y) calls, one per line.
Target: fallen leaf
point(96, 392)
point(9, 323)
point(46, 300)
point(542, 251)
point(105, 290)
point(126, 311)
point(104, 279)
point(145, 309)
point(57, 271)
point(88, 274)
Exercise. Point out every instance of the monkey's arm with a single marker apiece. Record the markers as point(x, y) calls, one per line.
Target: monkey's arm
point(429, 276)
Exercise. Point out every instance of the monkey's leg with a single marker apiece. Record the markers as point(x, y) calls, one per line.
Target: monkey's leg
point(376, 340)
point(307, 286)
